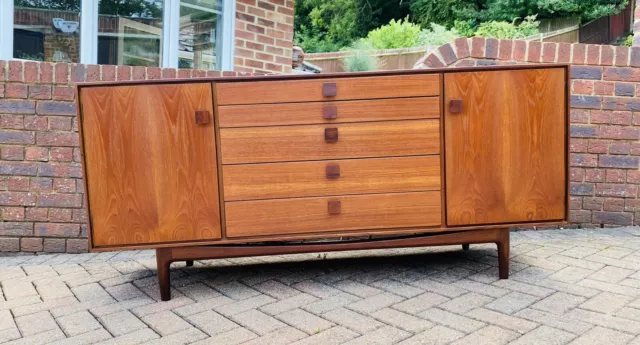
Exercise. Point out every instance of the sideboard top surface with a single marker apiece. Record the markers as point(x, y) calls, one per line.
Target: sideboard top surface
point(247, 78)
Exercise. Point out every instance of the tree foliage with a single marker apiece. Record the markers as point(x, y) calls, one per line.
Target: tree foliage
point(131, 8)
point(442, 12)
point(59, 5)
point(329, 25)
point(126, 8)
point(508, 10)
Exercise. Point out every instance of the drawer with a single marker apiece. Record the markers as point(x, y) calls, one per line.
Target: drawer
point(338, 177)
point(329, 112)
point(326, 214)
point(327, 89)
point(321, 142)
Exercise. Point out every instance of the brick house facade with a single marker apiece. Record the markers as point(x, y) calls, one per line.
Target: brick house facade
point(41, 189)
point(263, 36)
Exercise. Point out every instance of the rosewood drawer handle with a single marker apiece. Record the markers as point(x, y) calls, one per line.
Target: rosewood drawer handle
point(331, 135)
point(455, 106)
point(203, 117)
point(329, 112)
point(329, 89)
point(333, 170)
point(334, 207)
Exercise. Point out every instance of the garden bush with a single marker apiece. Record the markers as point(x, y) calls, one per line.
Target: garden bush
point(437, 36)
point(396, 34)
point(506, 30)
point(360, 59)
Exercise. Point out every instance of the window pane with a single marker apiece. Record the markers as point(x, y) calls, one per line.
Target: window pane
point(46, 30)
point(200, 29)
point(130, 32)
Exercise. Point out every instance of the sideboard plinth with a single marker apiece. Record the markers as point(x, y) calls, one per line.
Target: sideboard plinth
point(166, 256)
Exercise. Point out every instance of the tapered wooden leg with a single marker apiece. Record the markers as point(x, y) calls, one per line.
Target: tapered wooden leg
point(189, 263)
point(503, 253)
point(163, 260)
point(465, 246)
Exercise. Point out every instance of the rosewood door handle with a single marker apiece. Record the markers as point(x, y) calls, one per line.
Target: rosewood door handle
point(455, 106)
point(329, 112)
point(331, 135)
point(332, 171)
point(334, 207)
point(203, 117)
point(329, 89)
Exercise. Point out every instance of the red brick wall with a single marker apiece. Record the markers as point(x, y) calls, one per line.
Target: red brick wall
point(605, 118)
point(264, 36)
point(41, 190)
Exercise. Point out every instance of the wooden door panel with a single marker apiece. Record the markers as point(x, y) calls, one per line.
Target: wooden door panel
point(505, 149)
point(151, 170)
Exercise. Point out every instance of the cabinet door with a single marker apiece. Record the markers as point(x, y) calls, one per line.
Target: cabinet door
point(151, 169)
point(505, 146)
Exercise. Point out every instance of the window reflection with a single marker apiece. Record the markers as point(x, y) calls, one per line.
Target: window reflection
point(46, 30)
point(200, 25)
point(130, 32)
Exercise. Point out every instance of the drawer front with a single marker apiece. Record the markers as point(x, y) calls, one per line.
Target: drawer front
point(330, 89)
point(338, 177)
point(329, 112)
point(320, 142)
point(326, 214)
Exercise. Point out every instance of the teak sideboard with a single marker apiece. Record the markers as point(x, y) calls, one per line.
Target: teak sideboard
point(242, 166)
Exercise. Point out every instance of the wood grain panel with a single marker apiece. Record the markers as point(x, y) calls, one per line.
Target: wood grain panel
point(506, 150)
point(312, 112)
point(356, 176)
point(311, 215)
point(299, 143)
point(151, 170)
point(309, 90)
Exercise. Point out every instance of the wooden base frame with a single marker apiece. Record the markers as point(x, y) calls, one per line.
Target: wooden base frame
point(165, 256)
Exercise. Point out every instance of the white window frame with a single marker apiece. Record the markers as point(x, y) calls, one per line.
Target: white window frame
point(89, 33)
point(6, 30)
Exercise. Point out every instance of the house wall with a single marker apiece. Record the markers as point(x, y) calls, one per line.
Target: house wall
point(264, 36)
point(604, 123)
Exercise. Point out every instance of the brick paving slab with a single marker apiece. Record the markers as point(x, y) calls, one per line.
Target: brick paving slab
point(566, 287)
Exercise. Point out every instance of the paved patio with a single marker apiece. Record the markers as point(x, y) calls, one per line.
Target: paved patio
point(566, 287)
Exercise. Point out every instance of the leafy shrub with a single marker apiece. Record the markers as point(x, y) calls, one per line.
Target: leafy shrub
point(505, 30)
point(466, 28)
point(628, 42)
point(495, 29)
point(360, 59)
point(438, 35)
point(528, 27)
point(396, 34)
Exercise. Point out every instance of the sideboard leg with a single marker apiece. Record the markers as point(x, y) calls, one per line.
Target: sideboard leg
point(465, 246)
point(163, 260)
point(503, 253)
point(189, 263)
